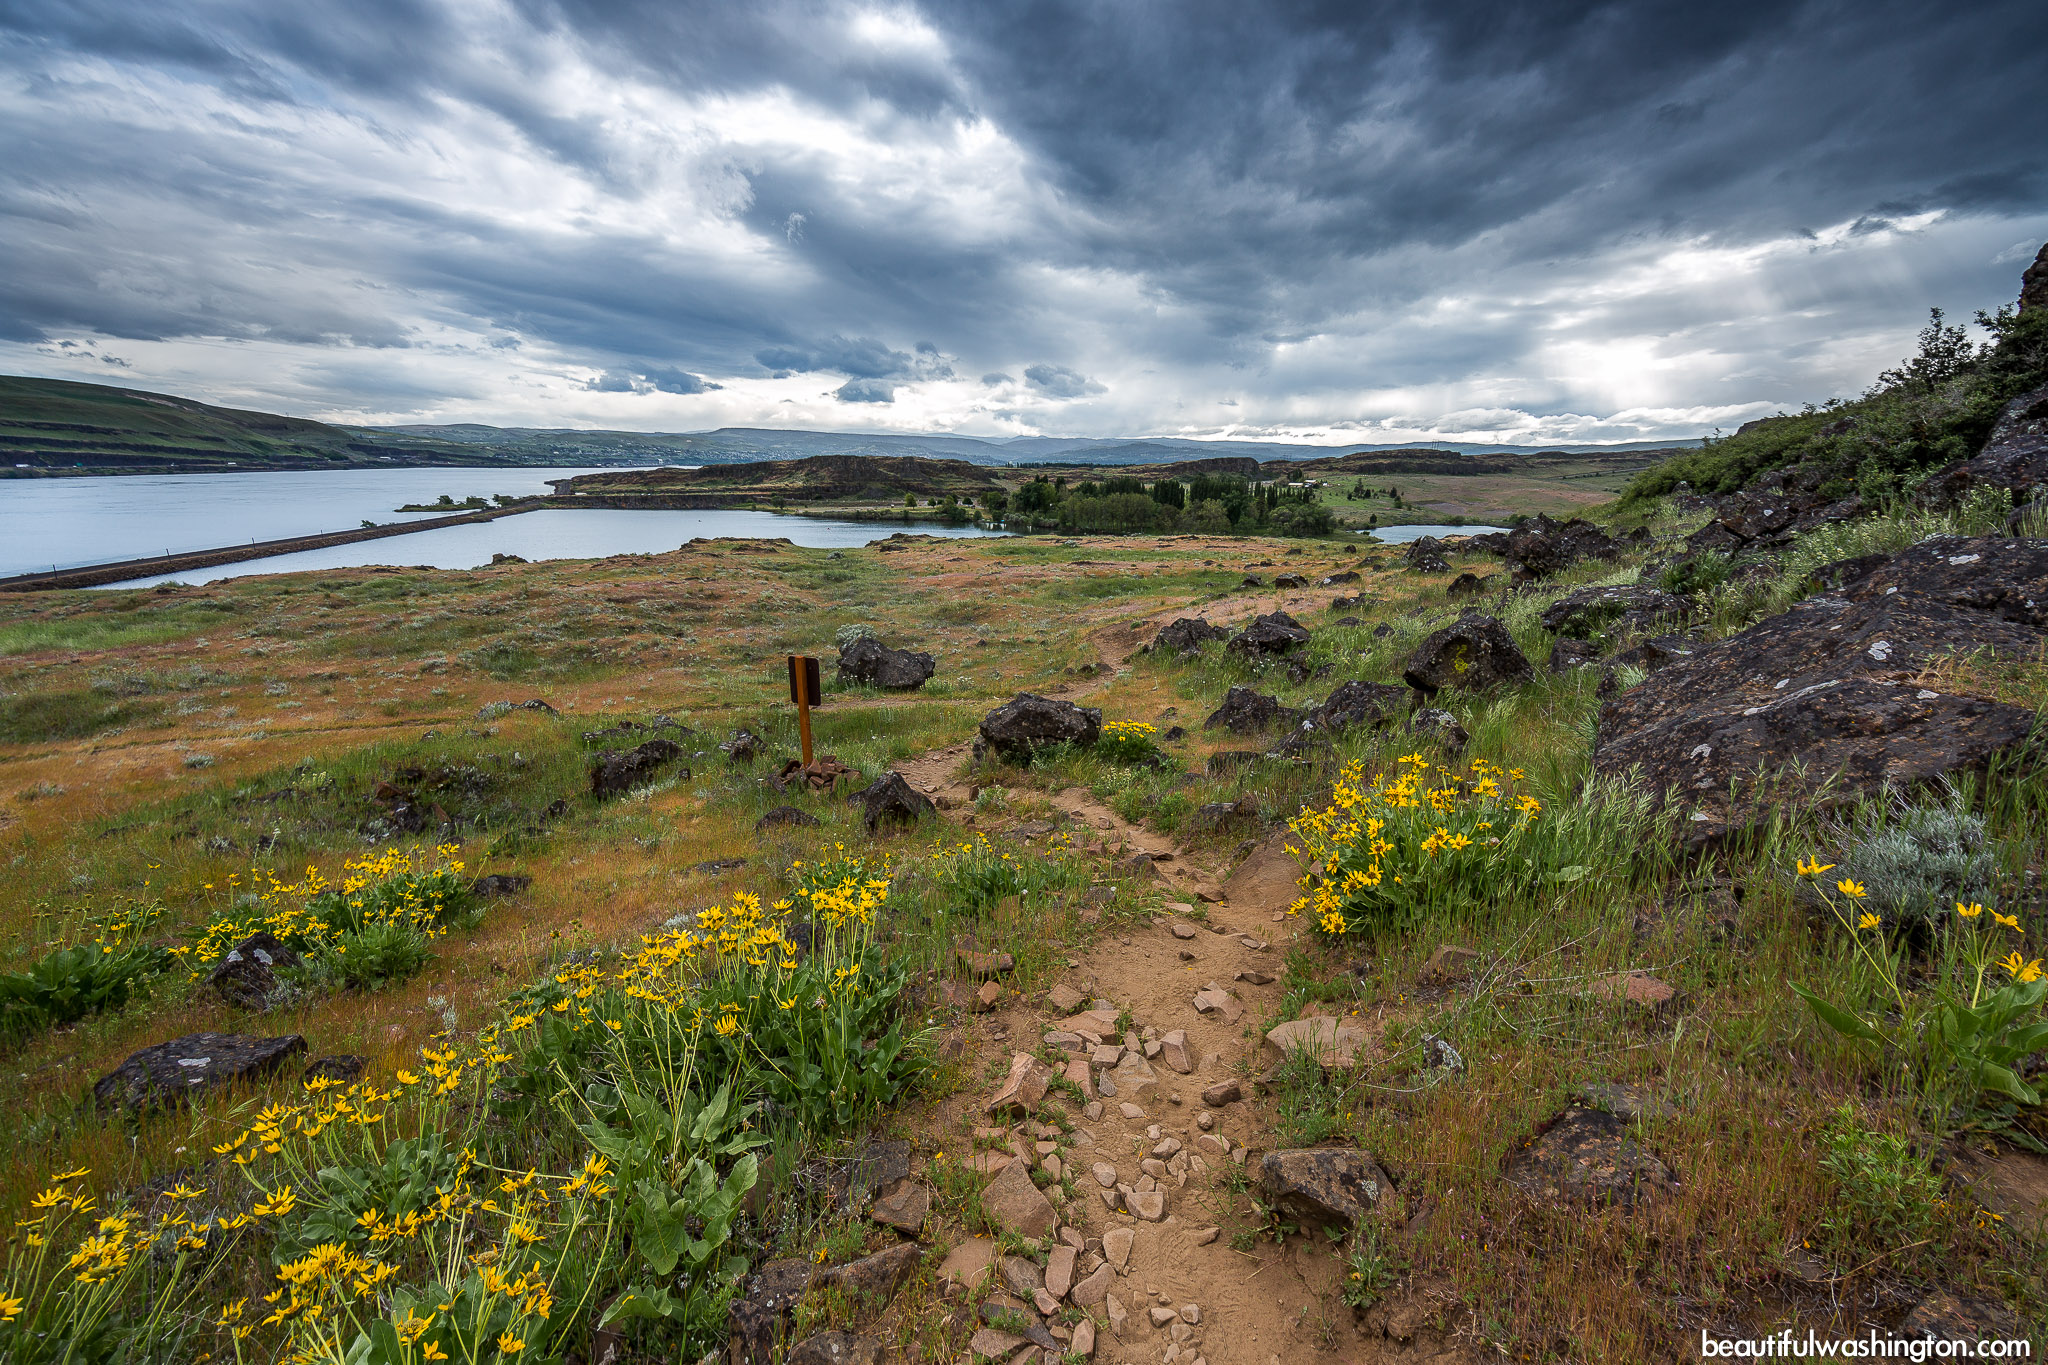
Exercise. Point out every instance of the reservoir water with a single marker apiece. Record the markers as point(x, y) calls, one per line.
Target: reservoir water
point(1401, 535)
point(47, 523)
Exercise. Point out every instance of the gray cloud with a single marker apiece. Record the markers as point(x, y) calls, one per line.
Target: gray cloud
point(1370, 219)
point(1057, 381)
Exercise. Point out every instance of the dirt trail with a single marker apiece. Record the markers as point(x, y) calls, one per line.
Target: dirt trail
point(1261, 1305)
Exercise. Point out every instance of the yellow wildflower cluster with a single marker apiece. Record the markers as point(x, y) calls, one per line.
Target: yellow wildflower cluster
point(397, 886)
point(1418, 837)
point(1128, 729)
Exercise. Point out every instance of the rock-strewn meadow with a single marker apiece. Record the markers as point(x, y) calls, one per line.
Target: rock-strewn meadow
point(1545, 946)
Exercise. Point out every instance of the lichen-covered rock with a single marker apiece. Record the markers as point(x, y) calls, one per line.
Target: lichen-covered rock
point(754, 1322)
point(1587, 612)
point(1826, 699)
point(1026, 723)
point(1327, 1186)
point(1540, 547)
point(1244, 712)
point(171, 1073)
point(1474, 652)
point(2015, 457)
point(866, 660)
point(246, 976)
point(835, 1348)
point(1188, 634)
point(785, 815)
point(1587, 1156)
point(1467, 584)
point(615, 774)
point(1433, 722)
point(1272, 634)
point(1567, 655)
point(875, 1278)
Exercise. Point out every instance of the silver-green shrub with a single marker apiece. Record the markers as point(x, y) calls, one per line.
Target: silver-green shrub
point(1917, 862)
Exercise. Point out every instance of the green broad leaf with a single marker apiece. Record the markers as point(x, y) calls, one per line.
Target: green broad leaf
point(642, 1301)
point(659, 1228)
point(1837, 1018)
point(2003, 1080)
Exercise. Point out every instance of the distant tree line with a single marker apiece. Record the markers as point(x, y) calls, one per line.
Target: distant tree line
point(1219, 504)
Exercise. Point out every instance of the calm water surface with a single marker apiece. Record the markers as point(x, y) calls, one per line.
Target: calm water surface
point(1401, 535)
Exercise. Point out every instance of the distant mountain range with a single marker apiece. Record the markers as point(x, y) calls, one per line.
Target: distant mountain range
point(52, 426)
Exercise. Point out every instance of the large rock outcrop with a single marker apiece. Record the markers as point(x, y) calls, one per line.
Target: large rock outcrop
point(1772, 510)
point(1187, 635)
point(868, 661)
point(1826, 701)
point(615, 774)
point(1027, 723)
point(1540, 547)
point(2014, 458)
point(1245, 711)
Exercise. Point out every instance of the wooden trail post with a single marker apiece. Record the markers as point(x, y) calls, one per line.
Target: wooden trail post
point(803, 690)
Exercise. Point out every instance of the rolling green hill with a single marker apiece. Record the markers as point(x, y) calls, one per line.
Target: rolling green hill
point(53, 426)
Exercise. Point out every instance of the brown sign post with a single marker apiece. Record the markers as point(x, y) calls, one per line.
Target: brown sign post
point(804, 689)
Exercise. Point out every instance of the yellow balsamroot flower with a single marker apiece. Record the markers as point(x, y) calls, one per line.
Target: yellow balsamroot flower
point(1851, 888)
point(509, 1344)
point(279, 1204)
point(726, 1026)
point(1869, 921)
point(1813, 867)
point(1970, 911)
point(2009, 921)
point(2020, 970)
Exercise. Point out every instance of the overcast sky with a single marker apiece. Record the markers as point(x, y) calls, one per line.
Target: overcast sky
point(1352, 222)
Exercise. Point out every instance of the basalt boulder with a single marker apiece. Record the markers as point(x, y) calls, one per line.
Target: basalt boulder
point(1374, 705)
point(246, 976)
point(869, 662)
point(1245, 712)
point(1334, 1187)
point(1188, 634)
point(1272, 634)
point(1540, 547)
point(1634, 607)
point(615, 774)
point(2014, 458)
point(1467, 585)
point(1027, 723)
point(1826, 702)
point(171, 1073)
point(1474, 652)
point(891, 800)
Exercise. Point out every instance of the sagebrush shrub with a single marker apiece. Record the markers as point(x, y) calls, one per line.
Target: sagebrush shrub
point(1917, 862)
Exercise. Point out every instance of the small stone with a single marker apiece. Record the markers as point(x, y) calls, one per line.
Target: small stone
point(1084, 1337)
point(905, 1205)
point(1256, 978)
point(1218, 1001)
point(1257, 945)
point(1116, 1247)
point(1044, 1301)
point(1065, 998)
point(1050, 1163)
point(1204, 1236)
point(1082, 1076)
point(987, 1341)
point(1183, 930)
point(1024, 1088)
point(1021, 1275)
point(1105, 1175)
point(1149, 1205)
point(1191, 1314)
point(1166, 1147)
point(1211, 1144)
point(1205, 1120)
point(1059, 1270)
point(1173, 1050)
point(1162, 1316)
point(1092, 1110)
point(1015, 1203)
point(969, 1263)
point(1118, 1318)
point(1153, 1167)
point(1106, 1055)
point(1640, 989)
point(1130, 1111)
point(1332, 1042)
point(1093, 1289)
point(987, 997)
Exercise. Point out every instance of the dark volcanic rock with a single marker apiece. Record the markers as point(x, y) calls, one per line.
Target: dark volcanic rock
point(875, 1277)
point(1540, 547)
point(1587, 612)
point(1188, 634)
point(867, 660)
point(499, 884)
point(1433, 722)
point(785, 815)
point(1587, 1156)
point(1027, 723)
point(2034, 283)
point(1328, 1186)
point(341, 1067)
point(1333, 579)
point(1467, 585)
point(1425, 549)
point(754, 1323)
point(1651, 655)
point(1830, 689)
point(1473, 652)
point(246, 976)
point(1274, 633)
point(744, 747)
point(1245, 711)
point(1566, 655)
point(170, 1073)
point(891, 800)
point(1360, 703)
point(2015, 457)
point(618, 773)
point(1220, 816)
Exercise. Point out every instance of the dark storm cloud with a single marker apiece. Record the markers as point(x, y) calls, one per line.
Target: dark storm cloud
point(1296, 197)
